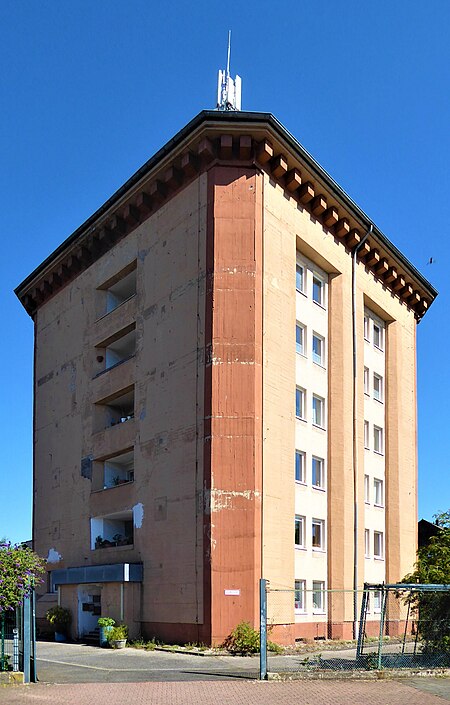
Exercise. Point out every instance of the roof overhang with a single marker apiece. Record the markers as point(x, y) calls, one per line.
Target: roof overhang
point(247, 138)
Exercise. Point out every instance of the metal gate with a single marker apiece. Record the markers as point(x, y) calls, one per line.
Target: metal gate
point(18, 640)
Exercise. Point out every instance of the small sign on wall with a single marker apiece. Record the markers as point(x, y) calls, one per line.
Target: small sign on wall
point(232, 592)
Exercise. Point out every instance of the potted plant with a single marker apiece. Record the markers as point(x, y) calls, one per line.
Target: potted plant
point(117, 636)
point(60, 618)
point(105, 624)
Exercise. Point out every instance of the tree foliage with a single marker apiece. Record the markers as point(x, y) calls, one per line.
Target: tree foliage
point(20, 569)
point(433, 566)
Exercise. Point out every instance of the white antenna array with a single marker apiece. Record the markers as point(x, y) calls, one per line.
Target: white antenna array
point(228, 89)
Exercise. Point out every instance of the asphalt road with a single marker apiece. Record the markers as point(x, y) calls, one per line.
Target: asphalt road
point(77, 663)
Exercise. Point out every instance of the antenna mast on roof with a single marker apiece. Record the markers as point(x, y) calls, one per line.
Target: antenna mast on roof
point(228, 89)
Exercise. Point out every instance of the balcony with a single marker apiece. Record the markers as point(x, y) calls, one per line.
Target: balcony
point(112, 530)
point(115, 350)
point(117, 290)
point(118, 470)
point(114, 410)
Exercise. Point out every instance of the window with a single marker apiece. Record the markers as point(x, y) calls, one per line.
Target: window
point(366, 435)
point(118, 470)
point(318, 411)
point(378, 492)
point(318, 596)
point(318, 349)
point(377, 600)
point(300, 466)
point(300, 339)
point(377, 336)
point(367, 543)
point(378, 544)
point(299, 532)
point(300, 279)
point(378, 439)
point(366, 489)
point(318, 473)
point(366, 381)
point(318, 291)
point(366, 327)
point(318, 534)
point(300, 589)
point(300, 396)
point(377, 387)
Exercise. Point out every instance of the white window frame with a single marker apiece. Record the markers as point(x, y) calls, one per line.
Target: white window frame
point(301, 267)
point(378, 445)
point(320, 462)
point(318, 589)
point(378, 393)
point(378, 545)
point(366, 435)
point(378, 492)
point(366, 489)
point(321, 524)
point(367, 543)
point(366, 327)
point(366, 381)
point(318, 359)
point(300, 349)
point(321, 300)
point(380, 328)
point(301, 522)
point(300, 590)
point(302, 456)
point(300, 393)
point(318, 405)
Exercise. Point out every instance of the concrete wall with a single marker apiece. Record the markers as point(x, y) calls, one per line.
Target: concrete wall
point(167, 431)
point(287, 228)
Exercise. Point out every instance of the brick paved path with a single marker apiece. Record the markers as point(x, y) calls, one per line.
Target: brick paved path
point(226, 693)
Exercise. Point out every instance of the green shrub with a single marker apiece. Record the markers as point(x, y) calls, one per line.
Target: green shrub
point(245, 640)
point(59, 616)
point(4, 663)
point(106, 622)
point(117, 633)
point(242, 640)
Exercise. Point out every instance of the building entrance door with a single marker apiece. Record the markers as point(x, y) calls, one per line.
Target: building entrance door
point(89, 608)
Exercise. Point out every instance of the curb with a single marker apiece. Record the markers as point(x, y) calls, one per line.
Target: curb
point(388, 674)
point(11, 678)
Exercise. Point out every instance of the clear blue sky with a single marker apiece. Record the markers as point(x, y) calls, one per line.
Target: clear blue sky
point(90, 90)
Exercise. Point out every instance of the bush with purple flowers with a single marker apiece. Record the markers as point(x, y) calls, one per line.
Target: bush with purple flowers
point(20, 569)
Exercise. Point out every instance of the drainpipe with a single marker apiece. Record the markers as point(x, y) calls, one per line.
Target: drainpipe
point(355, 438)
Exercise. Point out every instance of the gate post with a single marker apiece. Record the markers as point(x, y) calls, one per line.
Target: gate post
point(26, 624)
point(263, 629)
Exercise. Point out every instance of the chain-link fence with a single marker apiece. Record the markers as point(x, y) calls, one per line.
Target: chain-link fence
point(9, 641)
point(382, 626)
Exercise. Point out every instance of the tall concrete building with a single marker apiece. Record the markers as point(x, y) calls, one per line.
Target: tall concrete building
point(198, 423)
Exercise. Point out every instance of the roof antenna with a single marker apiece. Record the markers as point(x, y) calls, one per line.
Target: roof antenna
point(228, 89)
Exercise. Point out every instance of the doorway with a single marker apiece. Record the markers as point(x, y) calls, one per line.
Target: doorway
point(89, 608)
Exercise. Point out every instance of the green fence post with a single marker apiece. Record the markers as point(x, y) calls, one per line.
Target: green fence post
point(26, 638)
point(382, 617)
point(33, 674)
point(263, 629)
